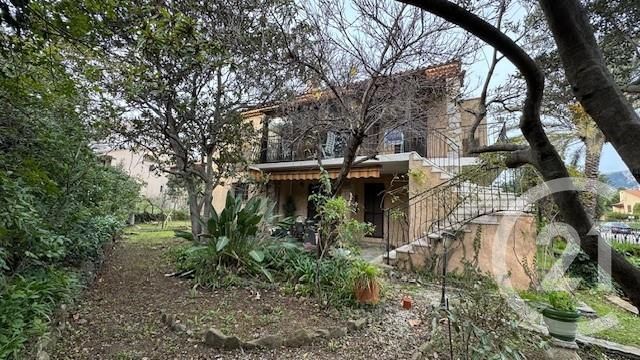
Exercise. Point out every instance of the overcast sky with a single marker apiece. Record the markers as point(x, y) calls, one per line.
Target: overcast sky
point(610, 160)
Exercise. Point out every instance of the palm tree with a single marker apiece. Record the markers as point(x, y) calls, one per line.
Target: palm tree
point(585, 129)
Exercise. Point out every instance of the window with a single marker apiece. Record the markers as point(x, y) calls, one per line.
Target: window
point(241, 191)
point(629, 209)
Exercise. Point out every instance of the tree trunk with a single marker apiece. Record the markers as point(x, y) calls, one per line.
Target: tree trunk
point(194, 209)
point(208, 188)
point(541, 153)
point(590, 79)
point(591, 171)
point(349, 157)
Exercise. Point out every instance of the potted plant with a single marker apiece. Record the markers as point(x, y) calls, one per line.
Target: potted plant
point(561, 316)
point(366, 285)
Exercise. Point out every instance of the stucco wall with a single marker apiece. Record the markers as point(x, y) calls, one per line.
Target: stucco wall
point(505, 246)
point(628, 200)
point(135, 165)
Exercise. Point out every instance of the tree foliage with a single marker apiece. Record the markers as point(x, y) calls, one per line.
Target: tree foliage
point(178, 74)
point(58, 202)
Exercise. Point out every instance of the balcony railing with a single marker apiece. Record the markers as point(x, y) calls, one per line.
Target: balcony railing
point(434, 144)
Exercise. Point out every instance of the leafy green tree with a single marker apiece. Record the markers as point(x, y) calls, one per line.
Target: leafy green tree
point(178, 74)
point(58, 203)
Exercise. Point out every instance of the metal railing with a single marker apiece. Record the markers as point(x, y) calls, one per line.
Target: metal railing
point(632, 237)
point(424, 217)
point(433, 143)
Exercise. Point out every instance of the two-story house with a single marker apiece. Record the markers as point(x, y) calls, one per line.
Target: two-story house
point(290, 162)
point(396, 190)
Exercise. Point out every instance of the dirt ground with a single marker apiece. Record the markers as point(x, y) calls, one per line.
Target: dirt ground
point(119, 317)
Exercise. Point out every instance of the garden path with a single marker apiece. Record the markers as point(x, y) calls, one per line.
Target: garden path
point(119, 315)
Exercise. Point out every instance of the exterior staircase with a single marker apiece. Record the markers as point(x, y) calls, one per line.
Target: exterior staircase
point(477, 196)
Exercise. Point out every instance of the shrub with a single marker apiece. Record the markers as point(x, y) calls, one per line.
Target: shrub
point(180, 215)
point(233, 243)
point(562, 300)
point(632, 250)
point(27, 304)
point(616, 216)
point(87, 237)
point(482, 325)
point(331, 278)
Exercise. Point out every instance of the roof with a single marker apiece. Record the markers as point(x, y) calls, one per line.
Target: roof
point(634, 192)
point(446, 70)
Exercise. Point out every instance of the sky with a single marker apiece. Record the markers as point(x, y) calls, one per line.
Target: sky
point(610, 161)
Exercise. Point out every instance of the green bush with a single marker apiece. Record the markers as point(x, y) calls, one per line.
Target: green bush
point(335, 276)
point(562, 300)
point(27, 303)
point(234, 243)
point(616, 216)
point(87, 238)
point(631, 250)
point(180, 215)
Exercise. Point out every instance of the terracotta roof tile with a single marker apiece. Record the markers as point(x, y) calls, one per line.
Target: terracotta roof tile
point(447, 70)
point(634, 192)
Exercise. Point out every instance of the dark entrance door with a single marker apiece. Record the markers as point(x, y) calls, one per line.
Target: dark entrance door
point(311, 205)
point(373, 214)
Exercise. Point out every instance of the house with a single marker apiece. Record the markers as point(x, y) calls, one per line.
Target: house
point(628, 200)
point(154, 185)
point(409, 191)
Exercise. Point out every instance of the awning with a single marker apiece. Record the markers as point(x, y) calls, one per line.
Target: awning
point(618, 205)
point(314, 174)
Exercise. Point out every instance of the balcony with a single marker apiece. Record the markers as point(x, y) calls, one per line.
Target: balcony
point(433, 143)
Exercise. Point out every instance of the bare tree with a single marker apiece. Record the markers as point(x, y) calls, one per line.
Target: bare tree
point(366, 77)
point(593, 86)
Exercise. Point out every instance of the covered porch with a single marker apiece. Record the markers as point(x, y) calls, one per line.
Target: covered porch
point(372, 186)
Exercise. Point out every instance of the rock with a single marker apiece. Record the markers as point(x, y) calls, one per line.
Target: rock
point(323, 333)
point(357, 324)
point(42, 355)
point(623, 304)
point(82, 321)
point(337, 332)
point(269, 341)
point(560, 353)
point(299, 338)
point(586, 311)
point(215, 338)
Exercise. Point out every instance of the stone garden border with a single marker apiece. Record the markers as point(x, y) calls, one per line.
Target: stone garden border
point(301, 337)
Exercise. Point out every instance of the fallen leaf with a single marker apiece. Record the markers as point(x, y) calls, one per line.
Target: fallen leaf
point(414, 322)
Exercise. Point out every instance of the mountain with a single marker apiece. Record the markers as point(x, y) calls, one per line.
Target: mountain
point(621, 179)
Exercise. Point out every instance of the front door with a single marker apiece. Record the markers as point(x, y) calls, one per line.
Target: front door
point(312, 211)
point(373, 213)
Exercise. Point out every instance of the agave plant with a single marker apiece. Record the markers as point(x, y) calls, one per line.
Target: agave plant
point(234, 238)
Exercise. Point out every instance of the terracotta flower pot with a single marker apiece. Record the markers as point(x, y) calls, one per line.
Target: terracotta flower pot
point(368, 294)
point(407, 302)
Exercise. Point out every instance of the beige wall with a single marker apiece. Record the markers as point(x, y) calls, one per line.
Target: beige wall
point(507, 249)
point(467, 121)
point(154, 185)
point(628, 200)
